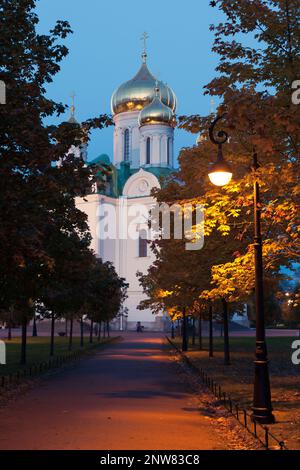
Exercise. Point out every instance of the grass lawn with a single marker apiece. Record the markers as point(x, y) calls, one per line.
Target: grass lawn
point(38, 351)
point(237, 379)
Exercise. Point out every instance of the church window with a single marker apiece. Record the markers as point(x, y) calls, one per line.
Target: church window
point(143, 244)
point(169, 151)
point(148, 151)
point(126, 145)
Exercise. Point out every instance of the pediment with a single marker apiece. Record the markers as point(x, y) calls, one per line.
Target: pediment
point(140, 184)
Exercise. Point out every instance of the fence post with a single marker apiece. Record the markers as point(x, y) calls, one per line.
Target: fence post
point(266, 437)
point(245, 419)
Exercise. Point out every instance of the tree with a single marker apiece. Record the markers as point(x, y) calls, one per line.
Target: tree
point(108, 293)
point(255, 92)
point(63, 291)
point(36, 196)
point(178, 277)
point(198, 312)
point(290, 305)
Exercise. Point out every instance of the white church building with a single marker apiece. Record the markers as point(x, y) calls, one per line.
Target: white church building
point(143, 113)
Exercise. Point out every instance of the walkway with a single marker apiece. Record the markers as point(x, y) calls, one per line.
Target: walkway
point(127, 396)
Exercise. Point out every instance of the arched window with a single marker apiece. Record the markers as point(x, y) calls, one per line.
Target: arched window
point(148, 151)
point(169, 142)
point(143, 244)
point(126, 145)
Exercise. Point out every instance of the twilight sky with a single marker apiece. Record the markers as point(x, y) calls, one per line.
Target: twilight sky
point(105, 51)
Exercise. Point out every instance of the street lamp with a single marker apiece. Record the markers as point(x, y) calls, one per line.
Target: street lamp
point(123, 315)
point(220, 172)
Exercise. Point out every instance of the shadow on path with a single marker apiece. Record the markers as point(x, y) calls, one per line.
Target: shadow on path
point(127, 396)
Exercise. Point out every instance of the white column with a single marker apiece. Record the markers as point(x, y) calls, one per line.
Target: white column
point(155, 154)
point(118, 145)
point(164, 149)
point(172, 150)
point(121, 145)
point(130, 143)
point(142, 151)
point(115, 145)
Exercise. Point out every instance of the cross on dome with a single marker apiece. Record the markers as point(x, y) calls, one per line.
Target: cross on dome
point(72, 119)
point(73, 104)
point(144, 38)
point(140, 91)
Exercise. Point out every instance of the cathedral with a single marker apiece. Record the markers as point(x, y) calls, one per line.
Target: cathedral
point(143, 111)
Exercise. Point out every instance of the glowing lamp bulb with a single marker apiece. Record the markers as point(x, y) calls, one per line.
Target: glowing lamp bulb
point(220, 178)
point(220, 172)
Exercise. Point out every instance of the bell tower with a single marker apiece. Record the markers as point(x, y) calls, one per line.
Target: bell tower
point(143, 111)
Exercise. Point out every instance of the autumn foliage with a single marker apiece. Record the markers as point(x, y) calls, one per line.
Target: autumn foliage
point(258, 44)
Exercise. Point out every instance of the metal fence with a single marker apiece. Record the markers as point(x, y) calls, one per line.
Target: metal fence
point(260, 432)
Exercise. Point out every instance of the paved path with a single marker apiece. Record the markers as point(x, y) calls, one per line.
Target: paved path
point(128, 396)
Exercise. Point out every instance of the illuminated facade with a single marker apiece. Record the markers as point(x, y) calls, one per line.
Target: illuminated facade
point(143, 112)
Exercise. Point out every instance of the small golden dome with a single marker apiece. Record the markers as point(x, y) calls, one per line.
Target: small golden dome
point(139, 92)
point(156, 112)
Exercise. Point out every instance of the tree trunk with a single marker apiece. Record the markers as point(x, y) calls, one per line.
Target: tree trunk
point(9, 323)
point(34, 327)
point(211, 340)
point(99, 330)
point(24, 341)
point(184, 331)
point(108, 329)
point(226, 333)
point(52, 335)
point(66, 328)
point(81, 333)
point(194, 332)
point(200, 332)
point(179, 327)
point(91, 331)
point(71, 335)
point(172, 330)
point(9, 335)
point(104, 329)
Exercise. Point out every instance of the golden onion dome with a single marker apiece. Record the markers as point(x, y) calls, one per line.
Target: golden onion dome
point(156, 112)
point(139, 92)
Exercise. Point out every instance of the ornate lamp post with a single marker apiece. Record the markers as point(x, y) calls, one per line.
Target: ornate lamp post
point(220, 174)
point(123, 315)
